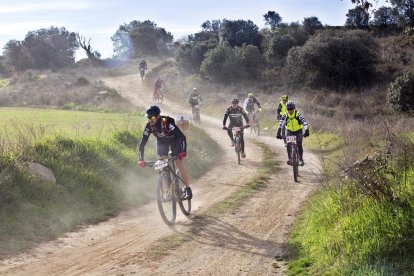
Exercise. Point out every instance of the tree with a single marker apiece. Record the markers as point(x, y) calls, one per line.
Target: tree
point(312, 24)
point(400, 93)
point(240, 32)
point(272, 19)
point(357, 18)
point(86, 46)
point(333, 59)
point(404, 11)
point(383, 17)
point(42, 49)
point(140, 38)
point(190, 55)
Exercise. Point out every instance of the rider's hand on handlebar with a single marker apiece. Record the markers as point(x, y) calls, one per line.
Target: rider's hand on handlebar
point(181, 155)
point(246, 126)
point(224, 127)
point(306, 133)
point(141, 163)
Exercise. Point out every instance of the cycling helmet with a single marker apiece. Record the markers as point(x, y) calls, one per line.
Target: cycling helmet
point(250, 95)
point(195, 89)
point(290, 105)
point(152, 111)
point(285, 97)
point(235, 100)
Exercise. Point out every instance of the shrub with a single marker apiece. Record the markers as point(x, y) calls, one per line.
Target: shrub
point(400, 94)
point(333, 59)
point(190, 56)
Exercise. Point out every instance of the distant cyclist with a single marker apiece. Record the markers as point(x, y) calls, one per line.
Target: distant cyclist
point(195, 98)
point(169, 136)
point(142, 64)
point(250, 102)
point(295, 123)
point(281, 110)
point(158, 85)
point(235, 113)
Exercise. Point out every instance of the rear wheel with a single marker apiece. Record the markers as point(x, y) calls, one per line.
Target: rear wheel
point(185, 205)
point(295, 163)
point(166, 199)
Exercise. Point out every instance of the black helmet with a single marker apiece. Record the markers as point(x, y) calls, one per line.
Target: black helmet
point(290, 105)
point(152, 111)
point(235, 100)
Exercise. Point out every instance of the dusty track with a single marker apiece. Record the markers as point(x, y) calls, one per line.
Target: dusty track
point(243, 242)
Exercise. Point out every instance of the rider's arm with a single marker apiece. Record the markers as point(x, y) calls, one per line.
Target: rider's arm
point(279, 109)
point(245, 103)
point(282, 121)
point(143, 142)
point(302, 119)
point(226, 115)
point(245, 116)
point(178, 134)
point(257, 102)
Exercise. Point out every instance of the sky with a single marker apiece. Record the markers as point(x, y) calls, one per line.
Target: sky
point(99, 19)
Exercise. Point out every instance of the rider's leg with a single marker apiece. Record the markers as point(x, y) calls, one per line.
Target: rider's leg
point(299, 139)
point(289, 145)
point(178, 146)
point(242, 141)
point(230, 133)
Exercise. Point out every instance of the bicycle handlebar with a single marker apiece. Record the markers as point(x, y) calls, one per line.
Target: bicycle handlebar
point(231, 128)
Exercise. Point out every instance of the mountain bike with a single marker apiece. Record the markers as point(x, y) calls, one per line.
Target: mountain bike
point(170, 190)
point(294, 155)
point(158, 96)
point(254, 123)
point(196, 114)
point(142, 73)
point(237, 139)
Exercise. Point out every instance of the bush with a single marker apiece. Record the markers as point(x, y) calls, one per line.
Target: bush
point(190, 56)
point(224, 63)
point(400, 93)
point(333, 59)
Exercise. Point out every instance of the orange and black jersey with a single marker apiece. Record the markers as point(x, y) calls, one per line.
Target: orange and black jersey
point(235, 115)
point(165, 130)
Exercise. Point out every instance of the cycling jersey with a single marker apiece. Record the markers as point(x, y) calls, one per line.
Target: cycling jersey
point(249, 104)
point(195, 99)
point(235, 115)
point(281, 109)
point(293, 122)
point(167, 134)
point(142, 64)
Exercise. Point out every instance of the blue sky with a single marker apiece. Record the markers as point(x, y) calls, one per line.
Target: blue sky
point(99, 19)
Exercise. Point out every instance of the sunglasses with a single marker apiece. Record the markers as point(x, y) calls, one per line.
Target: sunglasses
point(290, 109)
point(152, 118)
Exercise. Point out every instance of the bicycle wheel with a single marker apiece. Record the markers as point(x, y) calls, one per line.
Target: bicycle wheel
point(185, 204)
point(237, 148)
point(295, 163)
point(166, 199)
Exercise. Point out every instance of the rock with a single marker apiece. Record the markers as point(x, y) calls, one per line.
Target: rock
point(41, 171)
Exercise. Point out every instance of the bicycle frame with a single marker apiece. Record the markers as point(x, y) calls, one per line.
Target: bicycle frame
point(294, 155)
point(169, 191)
point(237, 141)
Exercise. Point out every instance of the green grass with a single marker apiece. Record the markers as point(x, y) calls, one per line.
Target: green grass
point(351, 228)
point(95, 169)
point(64, 122)
point(4, 82)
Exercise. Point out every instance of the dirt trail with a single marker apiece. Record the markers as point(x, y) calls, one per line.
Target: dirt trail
point(244, 242)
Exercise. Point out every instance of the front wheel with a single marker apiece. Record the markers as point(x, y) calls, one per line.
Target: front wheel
point(295, 163)
point(166, 199)
point(185, 204)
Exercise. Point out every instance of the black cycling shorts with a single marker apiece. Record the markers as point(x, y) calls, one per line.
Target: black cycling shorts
point(176, 145)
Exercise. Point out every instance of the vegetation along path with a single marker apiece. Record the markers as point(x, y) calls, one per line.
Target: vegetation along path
point(242, 215)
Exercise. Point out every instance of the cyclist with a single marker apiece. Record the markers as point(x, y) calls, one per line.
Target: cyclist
point(159, 83)
point(142, 64)
point(168, 136)
point(281, 110)
point(250, 102)
point(295, 123)
point(235, 113)
point(195, 98)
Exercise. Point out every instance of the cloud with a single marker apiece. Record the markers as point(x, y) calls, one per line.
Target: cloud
point(32, 6)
